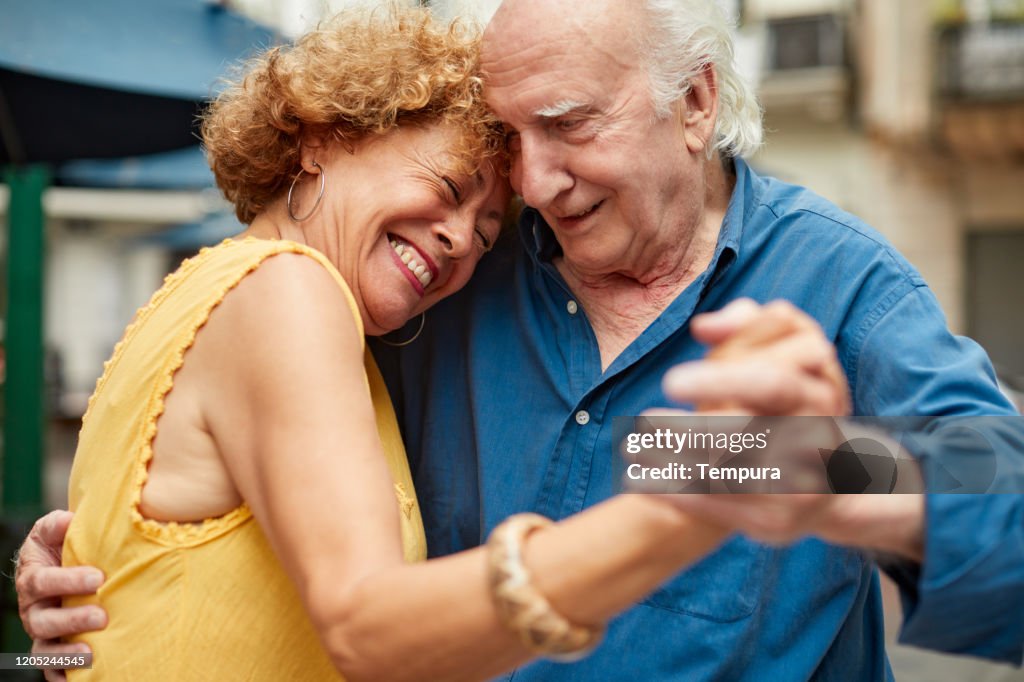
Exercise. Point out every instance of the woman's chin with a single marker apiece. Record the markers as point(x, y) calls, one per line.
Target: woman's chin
point(386, 324)
point(383, 314)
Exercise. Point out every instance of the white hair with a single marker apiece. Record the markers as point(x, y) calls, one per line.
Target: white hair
point(682, 38)
point(559, 108)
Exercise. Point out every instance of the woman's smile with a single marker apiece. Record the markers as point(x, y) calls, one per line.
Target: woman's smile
point(417, 267)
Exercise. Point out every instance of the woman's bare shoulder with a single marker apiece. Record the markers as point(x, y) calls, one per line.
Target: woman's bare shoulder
point(287, 320)
point(290, 295)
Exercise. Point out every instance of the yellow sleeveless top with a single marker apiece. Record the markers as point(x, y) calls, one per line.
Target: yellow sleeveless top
point(193, 601)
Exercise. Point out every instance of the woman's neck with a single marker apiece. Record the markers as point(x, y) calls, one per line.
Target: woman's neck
point(269, 224)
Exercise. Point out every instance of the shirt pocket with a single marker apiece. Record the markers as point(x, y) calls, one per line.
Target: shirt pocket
point(724, 586)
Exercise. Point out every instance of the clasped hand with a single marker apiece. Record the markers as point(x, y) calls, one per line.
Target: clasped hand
point(775, 360)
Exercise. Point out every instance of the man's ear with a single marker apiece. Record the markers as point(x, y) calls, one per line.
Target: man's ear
point(698, 111)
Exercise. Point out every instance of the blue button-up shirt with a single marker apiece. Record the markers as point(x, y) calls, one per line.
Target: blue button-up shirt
point(505, 409)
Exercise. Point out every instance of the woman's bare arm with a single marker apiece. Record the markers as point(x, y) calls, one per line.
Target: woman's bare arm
point(289, 409)
point(362, 621)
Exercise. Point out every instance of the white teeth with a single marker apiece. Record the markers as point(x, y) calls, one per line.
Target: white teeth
point(421, 272)
point(418, 269)
point(583, 213)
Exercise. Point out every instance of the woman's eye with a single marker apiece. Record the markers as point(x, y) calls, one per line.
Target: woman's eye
point(454, 189)
point(481, 240)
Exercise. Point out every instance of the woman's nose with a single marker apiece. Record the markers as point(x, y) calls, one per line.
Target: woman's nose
point(456, 236)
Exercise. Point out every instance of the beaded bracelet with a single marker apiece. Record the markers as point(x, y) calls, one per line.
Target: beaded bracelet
point(521, 607)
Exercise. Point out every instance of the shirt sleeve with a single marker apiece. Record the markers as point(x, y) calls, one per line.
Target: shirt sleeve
point(967, 596)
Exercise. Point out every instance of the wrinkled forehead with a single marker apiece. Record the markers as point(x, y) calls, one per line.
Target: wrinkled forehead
point(533, 51)
point(529, 28)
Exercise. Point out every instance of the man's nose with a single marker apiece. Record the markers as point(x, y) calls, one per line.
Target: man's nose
point(539, 171)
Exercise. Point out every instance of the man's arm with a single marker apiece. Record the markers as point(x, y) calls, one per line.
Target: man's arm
point(41, 582)
point(972, 572)
point(957, 558)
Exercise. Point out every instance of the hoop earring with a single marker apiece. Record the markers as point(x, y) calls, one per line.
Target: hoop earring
point(319, 196)
point(423, 321)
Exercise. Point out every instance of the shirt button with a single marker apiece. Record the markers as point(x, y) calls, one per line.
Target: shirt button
point(582, 417)
point(572, 307)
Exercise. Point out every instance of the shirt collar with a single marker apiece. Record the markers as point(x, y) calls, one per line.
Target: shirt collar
point(537, 236)
point(736, 214)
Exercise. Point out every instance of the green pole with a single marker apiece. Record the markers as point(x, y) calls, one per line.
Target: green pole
point(24, 417)
point(24, 410)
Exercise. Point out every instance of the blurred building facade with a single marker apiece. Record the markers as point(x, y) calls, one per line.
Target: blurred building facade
point(908, 114)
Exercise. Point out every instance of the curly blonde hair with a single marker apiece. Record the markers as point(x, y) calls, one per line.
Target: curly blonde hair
point(364, 72)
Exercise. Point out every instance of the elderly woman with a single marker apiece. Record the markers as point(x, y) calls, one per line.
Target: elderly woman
point(240, 477)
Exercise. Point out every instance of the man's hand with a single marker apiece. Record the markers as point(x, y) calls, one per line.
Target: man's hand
point(42, 582)
point(887, 523)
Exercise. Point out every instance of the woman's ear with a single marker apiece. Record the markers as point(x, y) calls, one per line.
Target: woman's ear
point(698, 111)
point(311, 149)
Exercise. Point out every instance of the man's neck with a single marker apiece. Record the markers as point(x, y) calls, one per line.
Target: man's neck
point(620, 307)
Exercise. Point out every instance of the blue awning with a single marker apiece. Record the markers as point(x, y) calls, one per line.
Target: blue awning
point(112, 78)
point(179, 169)
point(169, 48)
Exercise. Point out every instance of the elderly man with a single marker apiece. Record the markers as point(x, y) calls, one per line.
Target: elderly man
point(628, 125)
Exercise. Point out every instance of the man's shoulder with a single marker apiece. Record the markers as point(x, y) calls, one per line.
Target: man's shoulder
point(792, 215)
point(795, 204)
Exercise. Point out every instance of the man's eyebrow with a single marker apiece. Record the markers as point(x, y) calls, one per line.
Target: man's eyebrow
point(560, 108)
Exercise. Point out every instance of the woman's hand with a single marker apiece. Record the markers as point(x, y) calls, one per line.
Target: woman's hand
point(774, 360)
point(770, 360)
point(41, 582)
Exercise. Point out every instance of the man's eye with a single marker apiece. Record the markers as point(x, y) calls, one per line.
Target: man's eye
point(454, 189)
point(567, 125)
